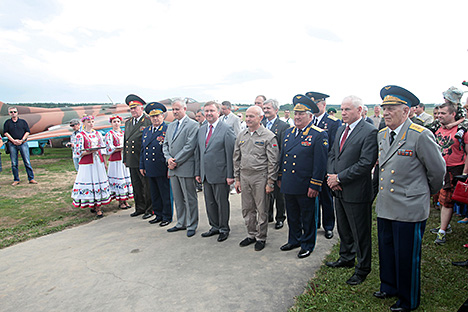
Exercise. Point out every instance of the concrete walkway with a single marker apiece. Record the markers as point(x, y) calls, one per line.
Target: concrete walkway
point(121, 264)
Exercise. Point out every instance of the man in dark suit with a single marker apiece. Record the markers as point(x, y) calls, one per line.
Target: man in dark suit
point(131, 155)
point(179, 151)
point(330, 124)
point(278, 127)
point(153, 164)
point(350, 162)
point(214, 168)
point(302, 170)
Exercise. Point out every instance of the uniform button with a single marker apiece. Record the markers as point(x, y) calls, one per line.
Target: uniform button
point(392, 190)
point(382, 169)
point(286, 155)
point(381, 187)
point(133, 141)
point(284, 170)
point(392, 181)
point(292, 171)
point(133, 152)
point(379, 153)
point(393, 171)
point(154, 147)
point(381, 179)
point(146, 147)
point(153, 153)
point(146, 158)
point(294, 164)
point(294, 156)
point(285, 161)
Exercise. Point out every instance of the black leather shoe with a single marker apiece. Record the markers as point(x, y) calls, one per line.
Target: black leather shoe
point(382, 295)
point(398, 309)
point(155, 220)
point(147, 216)
point(210, 233)
point(279, 225)
point(136, 214)
point(289, 246)
point(164, 223)
point(259, 245)
point(460, 263)
point(222, 237)
point(340, 264)
point(356, 279)
point(190, 233)
point(247, 241)
point(304, 253)
point(328, 234)
point(175, 229)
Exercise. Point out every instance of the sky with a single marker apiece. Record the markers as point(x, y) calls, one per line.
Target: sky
point(86, 51)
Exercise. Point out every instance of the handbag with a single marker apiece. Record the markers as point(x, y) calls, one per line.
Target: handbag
point(460, 194)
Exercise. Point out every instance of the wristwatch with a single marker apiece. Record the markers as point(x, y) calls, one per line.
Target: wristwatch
point(337, 179)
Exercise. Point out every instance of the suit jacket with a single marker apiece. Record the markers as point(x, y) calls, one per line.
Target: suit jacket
point(152, 157)
point(213, 163)
point(411, 169)
point(355, 162)
point(303, 160)
point(330, 124)
point(181, 147)
point(233, 121)
point(279, 127)
point(132, 141)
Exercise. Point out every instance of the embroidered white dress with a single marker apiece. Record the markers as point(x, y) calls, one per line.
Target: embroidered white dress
point(119, 176)
point(91, 188)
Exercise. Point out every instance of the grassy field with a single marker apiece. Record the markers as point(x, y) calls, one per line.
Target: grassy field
point(28, 211)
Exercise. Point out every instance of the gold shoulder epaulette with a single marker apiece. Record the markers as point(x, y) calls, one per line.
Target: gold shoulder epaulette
point(416, 127)
point(383, 129)
point(317, 128)
point(333, 118)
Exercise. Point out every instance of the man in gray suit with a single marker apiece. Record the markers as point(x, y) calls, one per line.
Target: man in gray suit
point(411, 169)
point(229, 117)
point(179, 151)
point(278, 127)
point(214, 168)
point(350, 162)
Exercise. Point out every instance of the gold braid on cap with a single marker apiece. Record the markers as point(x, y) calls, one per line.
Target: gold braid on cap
point(301, 108)
point(393, 100)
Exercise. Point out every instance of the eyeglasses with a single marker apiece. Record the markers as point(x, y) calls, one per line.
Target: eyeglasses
point(258, 103)
point(13, 112)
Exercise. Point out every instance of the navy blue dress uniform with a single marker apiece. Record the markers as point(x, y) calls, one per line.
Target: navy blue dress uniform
point(411, 169)
point(152, 160)
point(303, 165)
point(330, 124)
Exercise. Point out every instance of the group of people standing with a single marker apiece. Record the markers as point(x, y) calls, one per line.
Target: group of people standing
point(318, 162)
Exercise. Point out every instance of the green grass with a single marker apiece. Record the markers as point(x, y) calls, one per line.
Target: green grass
point(28, 211)
point(443, 286)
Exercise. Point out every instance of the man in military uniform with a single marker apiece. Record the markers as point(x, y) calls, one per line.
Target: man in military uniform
point(131, 155)
point(330, 124)
point(153, 164)
point(303, 166)
point(278, 127)
point(411, 169)
point(255, 170)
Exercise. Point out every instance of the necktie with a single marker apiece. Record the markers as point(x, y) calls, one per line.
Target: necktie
point(176, 128)
point(343, 139)
point(316, 121)
point(209, 135)
point(392, 137)
point(269, 123)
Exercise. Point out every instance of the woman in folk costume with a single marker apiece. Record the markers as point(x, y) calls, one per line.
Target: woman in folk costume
point(91, 188)
point(119, 176)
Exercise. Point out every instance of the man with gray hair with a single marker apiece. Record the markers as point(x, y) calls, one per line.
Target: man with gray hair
point(229, 117)
point(255, 170)
point(350, 162)
point(421, 114)
point(179, 151)
point(278, 127)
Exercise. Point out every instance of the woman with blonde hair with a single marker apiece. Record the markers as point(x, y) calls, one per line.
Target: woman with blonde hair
point(91, 188)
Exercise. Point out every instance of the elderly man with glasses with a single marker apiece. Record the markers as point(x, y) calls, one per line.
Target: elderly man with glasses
point(17, 132)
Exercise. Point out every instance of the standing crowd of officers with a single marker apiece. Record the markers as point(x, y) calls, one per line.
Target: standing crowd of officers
point(312, 167)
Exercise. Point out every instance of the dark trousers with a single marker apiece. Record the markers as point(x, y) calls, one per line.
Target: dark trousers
point(302, 220)
point(217, 205)
point(400, 260)
point(354, 227)
point(161, 197)
point(328, 213)
point(276, 197)
point(141, 191)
